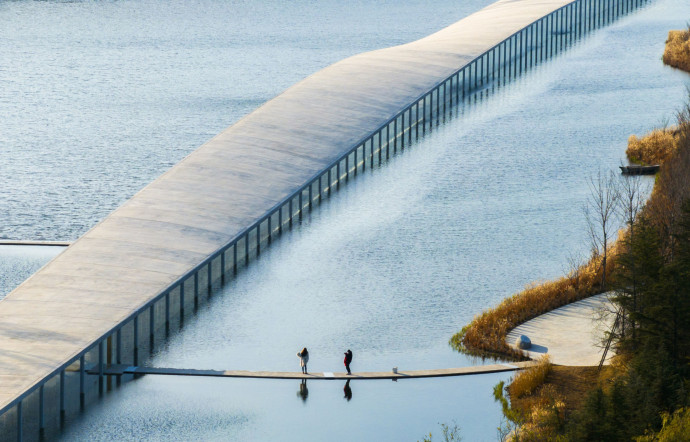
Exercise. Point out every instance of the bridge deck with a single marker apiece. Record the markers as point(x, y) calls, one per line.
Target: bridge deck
point(119, 370)
point(190, 212)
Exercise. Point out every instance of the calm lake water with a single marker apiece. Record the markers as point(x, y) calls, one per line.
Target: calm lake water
point(112, 94)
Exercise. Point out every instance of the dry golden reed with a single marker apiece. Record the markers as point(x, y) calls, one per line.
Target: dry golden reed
point(677, 51)
point(527, 381)
point(653, 148)
point(486, 334)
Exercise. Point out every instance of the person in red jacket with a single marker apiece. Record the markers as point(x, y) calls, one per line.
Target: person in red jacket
point(348, 360)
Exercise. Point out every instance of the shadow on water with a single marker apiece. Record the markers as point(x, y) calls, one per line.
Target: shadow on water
point(347, 390)
point(303, 392)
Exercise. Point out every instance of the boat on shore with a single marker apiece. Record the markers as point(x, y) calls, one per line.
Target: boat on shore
point(639, 170)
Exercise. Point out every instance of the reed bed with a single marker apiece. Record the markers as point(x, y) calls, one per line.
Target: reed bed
point(653, 148)
point(486, 335)
point(527, 381)
point(677, 51)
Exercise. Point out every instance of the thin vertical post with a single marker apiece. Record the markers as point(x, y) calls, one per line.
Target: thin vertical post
point(101, 353)
point(41, 410)
point(270, 230)
point(258, 241)
point(337, 174)
point(82, 378)
point(222, 267)
point(311, 198)
point(380, 144)
point(388, 140)
point(301, 204)
point(347, 167)
point(395, 134)
point(182, 300)
point(209, 276)
point(246, 249)
point(280, 212)
point(62, 394)
point(118, 344)
point(136, 340)
point(151, 325)
point(330, 181)
point(20, 428)
point(416, 124)
point(167, 313)
point(234, 258)
point(291, 211)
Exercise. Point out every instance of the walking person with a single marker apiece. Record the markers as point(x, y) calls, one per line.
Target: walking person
point(348, 360)
point(303, 359)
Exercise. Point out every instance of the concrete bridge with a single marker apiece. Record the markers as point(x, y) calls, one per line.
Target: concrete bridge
point(111, 294)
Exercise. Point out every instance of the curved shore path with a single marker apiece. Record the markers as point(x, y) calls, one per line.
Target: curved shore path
point(434, 373)
point(571, 335)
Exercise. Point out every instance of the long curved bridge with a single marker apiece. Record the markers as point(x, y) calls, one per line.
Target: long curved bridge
point(104, 299)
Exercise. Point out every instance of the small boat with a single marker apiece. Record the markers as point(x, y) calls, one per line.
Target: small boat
point(639, 170)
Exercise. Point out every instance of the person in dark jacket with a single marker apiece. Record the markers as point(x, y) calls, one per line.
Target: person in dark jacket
point(348, 360)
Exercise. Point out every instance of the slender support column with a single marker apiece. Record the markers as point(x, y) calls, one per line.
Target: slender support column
point(209, 275)
point(463, 82)
point(280, 212)
point(62, 394)
point(388, 140)
point(182, 299)
point(258, 241)
point(371, 152)
point(330, 181)
point(423, 115)
point(20, 428)
point(246, 250)
point(311, 198)
point(337, 174)
point(395, 134)
point(301, 204)
point(234, 258)
point(136, 342)
point(416, 124)
point(101, 377)
point(167, 313)
point(151, 326)
point(291, 211)
point(347, 167)
point(270, 230)
point(41, 410)
point(380, 145)
point(82, 376)
point(118, 346)
point(222, 267)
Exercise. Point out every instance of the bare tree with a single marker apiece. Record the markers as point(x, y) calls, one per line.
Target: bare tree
point(600, 211)
point(632, 196)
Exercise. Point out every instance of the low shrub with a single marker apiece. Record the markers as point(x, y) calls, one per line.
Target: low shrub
point(677, 51)
point(653, 148)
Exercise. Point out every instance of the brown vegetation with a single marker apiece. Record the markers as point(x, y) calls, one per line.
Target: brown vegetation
point(654, 148)
point(486, 334)
point(677, 51)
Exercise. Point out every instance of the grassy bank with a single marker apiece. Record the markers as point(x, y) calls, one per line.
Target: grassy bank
point(677, 51)
point(486, 334)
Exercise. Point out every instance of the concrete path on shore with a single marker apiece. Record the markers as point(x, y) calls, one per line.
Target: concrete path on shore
point(570, 335)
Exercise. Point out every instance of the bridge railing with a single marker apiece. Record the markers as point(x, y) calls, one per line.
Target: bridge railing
point(68, 389)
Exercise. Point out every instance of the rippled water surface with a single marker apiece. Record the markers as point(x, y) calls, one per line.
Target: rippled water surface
point(391, 266)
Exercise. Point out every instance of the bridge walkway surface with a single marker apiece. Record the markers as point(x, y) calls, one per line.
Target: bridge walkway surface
point(119, 370)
